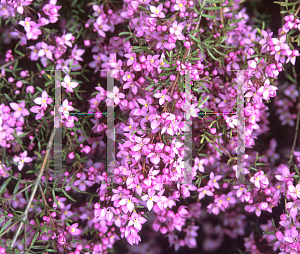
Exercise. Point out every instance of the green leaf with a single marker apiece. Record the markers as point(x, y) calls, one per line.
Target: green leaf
point(143, 8)
point(297, 170)
point(212, 56)
point(274, 241)
point(34, 238)
point(212, 8)
point(5, 226)
point(273, 224)
point(129, 37)
point(149, 87)
point(269, 233)
point(208, 16)
point(4, 185)
point(123, 33)
point(166, 74)
point(200, 103)
point(67, 195)
point(194, 38)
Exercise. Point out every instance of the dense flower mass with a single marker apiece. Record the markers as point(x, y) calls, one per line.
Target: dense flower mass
point(161, 142)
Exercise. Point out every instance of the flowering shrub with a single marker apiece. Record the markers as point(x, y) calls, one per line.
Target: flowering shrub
point(151, 49)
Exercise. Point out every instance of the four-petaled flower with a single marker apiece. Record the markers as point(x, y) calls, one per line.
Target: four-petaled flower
point(157, 11)
point(20, 109)
point(44, 100)
point(68, 84)
point(213, 180)
point(65, 108)
point(162, 97)
point(259, 180)
point(73, 230)
point(82, 182)
point(22, 159)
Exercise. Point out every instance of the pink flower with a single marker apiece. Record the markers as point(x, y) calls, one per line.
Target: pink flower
point(180, 5)
point(285, 174)
point(213, 180)
point(46, 50)
point(260, 180)
point(65, 108)
point(198, 164)
point(132, 126)
point(162, 97)
point(293, 208)
point(232, 121)
point(150, 197)
point(267, 91)
point(131, 58)
point(61, 240)
point(73, 230)
point(20, 5)
point(176, 29)
point(157, 12)
point(291, 235)
point(204, 191)
point(27, 23)
point(68, 84)
point(65, 39)
point(44, 100)
point(77, 53)
point(20, 109)
point(22, 159)
point(101, 27)
point(82, 182)
point(115, 95)
point(60, 203)
point(127, 203)
point(294, 191)
point(38, 110)
point(137, 221)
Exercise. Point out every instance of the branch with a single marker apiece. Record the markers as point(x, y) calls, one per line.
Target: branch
point(37, 182)
point(295, 137)
point(11, 62)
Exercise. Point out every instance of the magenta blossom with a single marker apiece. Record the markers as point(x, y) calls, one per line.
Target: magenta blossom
point(22, 159)
point(44, 100)
point(20, 109)
point(68, 84)
point(73, 230)
point(82, 182)
point(259, 180)
point(157, 11)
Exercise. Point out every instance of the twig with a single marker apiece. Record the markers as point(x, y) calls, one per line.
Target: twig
point(37, 182)
point(187, 53)
point(297, 10)
point(18, 193)
point(11, 62)
point(9, 228)
point(295, 137)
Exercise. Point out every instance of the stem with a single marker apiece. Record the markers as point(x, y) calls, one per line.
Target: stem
point(295, 137)
point(11, 62)
point(18, 193)
point(297, 10)
point(9, 228)
point(37, 182)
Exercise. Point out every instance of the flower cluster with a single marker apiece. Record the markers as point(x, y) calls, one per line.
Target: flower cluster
point(172, 132)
